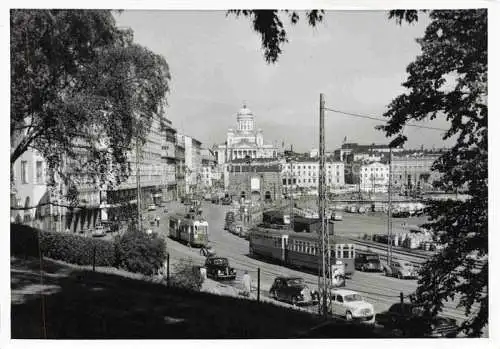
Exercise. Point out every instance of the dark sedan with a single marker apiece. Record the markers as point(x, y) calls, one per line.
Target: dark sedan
point(218, 268)
point(410, 320)
point(293, 290)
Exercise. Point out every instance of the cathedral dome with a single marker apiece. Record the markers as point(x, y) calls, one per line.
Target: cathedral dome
point(245, 112)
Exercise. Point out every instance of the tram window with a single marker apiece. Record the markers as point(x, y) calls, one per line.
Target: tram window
point(346, 253)
point(352, 251)
point(338, 252)
point(307, 247)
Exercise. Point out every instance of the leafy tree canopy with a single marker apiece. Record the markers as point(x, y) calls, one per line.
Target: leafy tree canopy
point(272, 30)
point(449, 80)
point(81, 90)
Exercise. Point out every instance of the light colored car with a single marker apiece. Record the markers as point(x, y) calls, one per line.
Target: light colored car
point(401, 270)
point(151, 207)
point(350, 305)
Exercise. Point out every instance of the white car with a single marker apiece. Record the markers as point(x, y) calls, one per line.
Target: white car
point(350, 305)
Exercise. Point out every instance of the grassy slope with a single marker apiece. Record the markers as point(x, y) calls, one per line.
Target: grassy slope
point(84, 304)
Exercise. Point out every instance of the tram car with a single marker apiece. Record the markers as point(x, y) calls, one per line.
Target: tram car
point(188, 229)
point(300, 250)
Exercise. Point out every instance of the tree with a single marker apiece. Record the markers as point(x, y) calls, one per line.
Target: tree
point(272, 30)
point(449, 80)
point(81, 91)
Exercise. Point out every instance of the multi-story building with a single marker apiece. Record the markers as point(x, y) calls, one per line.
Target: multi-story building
point(245, 141)
point(169, 156)
point(180, 168)
point(412, 169)
point(208, 169)
point(373, 176)
point(29, 189)
point(148, 164)
point(303, 173)
point(192, 156)
point(354, 152)
point(259, 179)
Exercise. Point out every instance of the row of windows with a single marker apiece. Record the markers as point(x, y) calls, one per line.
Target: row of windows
point(309, 167)
point(311, 248)
point(376, 169)
point(309, 180)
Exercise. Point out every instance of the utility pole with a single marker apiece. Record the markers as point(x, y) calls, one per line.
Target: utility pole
point(389, 212)
point(138, 179)
point(321, 202)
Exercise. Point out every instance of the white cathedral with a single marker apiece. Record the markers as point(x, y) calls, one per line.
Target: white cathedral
point(245, 141)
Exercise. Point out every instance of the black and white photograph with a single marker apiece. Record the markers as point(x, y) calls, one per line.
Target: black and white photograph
point(249, 173)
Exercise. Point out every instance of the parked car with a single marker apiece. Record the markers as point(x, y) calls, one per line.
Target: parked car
point(230, 217)
point(401, 270)
point(293, 290)
point(411, 321)
point(351, 305)
point(218, 268)
point(367, 261)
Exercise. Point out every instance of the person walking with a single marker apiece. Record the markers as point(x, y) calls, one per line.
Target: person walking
point(157, 221)
point(247, 283)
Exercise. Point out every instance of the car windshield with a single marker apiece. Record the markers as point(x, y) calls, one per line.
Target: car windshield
point(372, 258)
point(220, 261)
point(352, 297)
point(295, 282)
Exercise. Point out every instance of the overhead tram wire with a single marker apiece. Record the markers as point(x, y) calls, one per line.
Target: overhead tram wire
point(382, 119)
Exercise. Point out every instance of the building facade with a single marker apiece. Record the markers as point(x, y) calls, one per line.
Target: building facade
point(257, 180)
point(303, 174)
point(208, 169)
point(374, 176)
point(148, 164)
point(169, 190)
point(411, 170)
point(29, 189)
point(245, 141)
point(192, 161)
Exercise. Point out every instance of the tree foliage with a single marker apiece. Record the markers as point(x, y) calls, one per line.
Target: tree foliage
point(449, 80)
point(81, 91)
point(272, 30)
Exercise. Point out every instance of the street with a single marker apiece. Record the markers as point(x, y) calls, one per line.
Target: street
point(376, 288)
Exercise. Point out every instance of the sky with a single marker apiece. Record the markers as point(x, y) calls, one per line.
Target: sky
point(357, 59)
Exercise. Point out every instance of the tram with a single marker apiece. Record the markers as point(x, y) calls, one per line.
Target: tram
point(188, 229)
point(300, 250)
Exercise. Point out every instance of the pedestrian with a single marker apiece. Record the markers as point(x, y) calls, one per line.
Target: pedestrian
point(157, 221)
point(247, 282)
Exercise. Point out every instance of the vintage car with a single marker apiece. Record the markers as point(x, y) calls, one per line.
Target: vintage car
point(401, 270)
point(350, 305)
point(367, 261)
point(230, 217)
point(293, 290)
point(410, 320)
point(218, 268)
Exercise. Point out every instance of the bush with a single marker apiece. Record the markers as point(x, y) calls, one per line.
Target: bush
point(186, 276)
point(138, 252)
point(26, 241)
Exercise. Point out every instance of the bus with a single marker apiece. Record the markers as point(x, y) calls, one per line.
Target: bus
point(300, 250)
point(188, 229)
